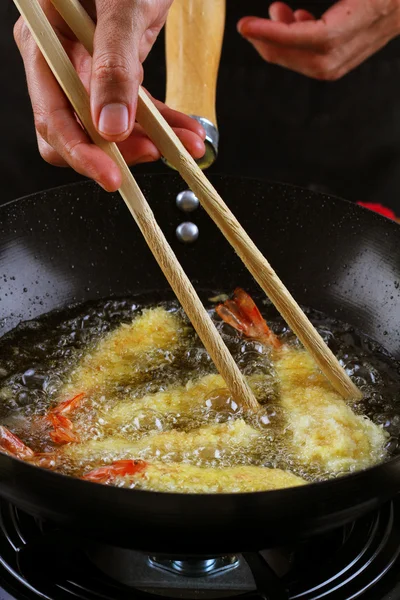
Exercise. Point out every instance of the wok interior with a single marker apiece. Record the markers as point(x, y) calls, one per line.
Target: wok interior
point(95, 388)
point(78, 244)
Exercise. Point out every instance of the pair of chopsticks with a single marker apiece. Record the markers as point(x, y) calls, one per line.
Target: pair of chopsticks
point(173, 150)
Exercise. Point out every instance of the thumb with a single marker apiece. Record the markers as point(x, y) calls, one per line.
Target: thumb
point(116, 68)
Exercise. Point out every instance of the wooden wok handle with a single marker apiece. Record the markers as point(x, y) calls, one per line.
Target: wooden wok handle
point(75, 91)
point(194, 34)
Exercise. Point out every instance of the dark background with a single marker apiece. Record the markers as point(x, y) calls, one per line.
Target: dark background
point(342, 137)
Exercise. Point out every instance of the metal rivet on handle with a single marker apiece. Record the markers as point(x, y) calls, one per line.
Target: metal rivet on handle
point(187, 201)
point(187, 232)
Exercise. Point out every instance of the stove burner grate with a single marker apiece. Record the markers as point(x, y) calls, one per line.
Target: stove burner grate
point(195, 567)
point(39, 560)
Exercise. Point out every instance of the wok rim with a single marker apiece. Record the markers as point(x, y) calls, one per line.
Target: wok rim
point(272, 182)
point(322, 195)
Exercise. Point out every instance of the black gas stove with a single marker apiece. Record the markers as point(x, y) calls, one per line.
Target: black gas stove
point(360, 560)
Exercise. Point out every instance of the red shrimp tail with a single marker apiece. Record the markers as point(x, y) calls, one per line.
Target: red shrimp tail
point(64, 408)
point(120, 468)
point(63, 429)
point(62, 435)
point(11, 444)
point(242, 314)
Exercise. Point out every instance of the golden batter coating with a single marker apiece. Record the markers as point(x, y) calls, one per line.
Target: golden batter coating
point(320, 427)
point(178, 477)
point(182, 399)
point(324, 429)
point(204, 393)
point(200, 446)
point(127, 352)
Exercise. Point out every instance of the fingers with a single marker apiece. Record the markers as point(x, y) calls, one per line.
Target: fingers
point(190, 132)
point(60, 137)
point(330, 66)
point(310, 34)
point(305, 62)
point(278, 11)
point(64, 134)
point(139, 149)
point(116, 68)
point(303, 15)
point(282, 13)
point(327, 48)
point(49, 154)
point(178, 119)
point(339, 24)
point(191, 142)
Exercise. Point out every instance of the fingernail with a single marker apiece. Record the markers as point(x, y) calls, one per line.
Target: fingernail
point(101, 185)
point(242, 24)
point(147, 158)
point(203, 134)
point(114, 119)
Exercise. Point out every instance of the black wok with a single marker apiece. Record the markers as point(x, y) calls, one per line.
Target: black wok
point(77, 243)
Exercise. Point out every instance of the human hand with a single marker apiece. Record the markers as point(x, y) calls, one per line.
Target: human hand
point(326, 48)
point(125, 33)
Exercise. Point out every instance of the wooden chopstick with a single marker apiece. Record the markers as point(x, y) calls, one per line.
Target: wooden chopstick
point(173, 150)
point(72, 86)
